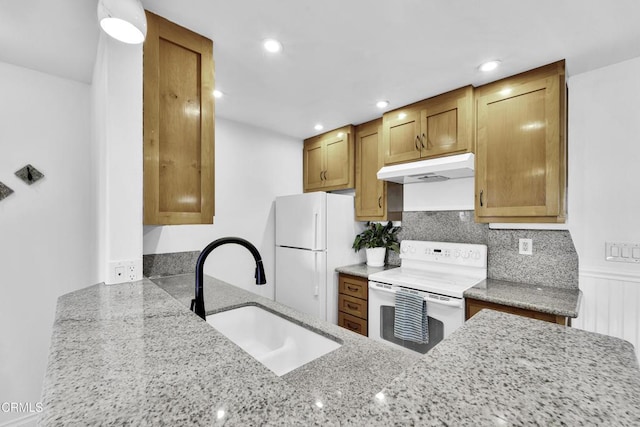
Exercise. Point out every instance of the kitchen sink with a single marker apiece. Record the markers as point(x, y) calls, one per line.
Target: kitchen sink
point(272, 340)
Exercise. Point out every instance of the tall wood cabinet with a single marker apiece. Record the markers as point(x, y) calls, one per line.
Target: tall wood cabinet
point(521, 147)
point(434, 127)
point(375, 200)
point(178, 125)
point(329, 160)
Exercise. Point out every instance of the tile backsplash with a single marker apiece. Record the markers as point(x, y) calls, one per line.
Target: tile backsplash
point(554, 261)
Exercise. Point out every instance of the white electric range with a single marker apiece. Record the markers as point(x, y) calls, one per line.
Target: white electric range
point(438, 271)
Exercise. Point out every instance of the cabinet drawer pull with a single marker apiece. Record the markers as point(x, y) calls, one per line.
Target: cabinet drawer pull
point(380, 202)
point(353, 288)
point(325, 175)
point(417, 142)
point(321, 176)
point(422, 141)
point(481, 201)
point(352, 326)
point(352, 307)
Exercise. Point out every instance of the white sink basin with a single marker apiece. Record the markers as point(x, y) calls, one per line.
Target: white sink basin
point(277, 343)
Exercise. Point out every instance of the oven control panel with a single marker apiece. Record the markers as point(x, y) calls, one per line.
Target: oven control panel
point(446, 253)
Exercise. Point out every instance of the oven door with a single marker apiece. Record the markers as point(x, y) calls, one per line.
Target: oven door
point(445, 314)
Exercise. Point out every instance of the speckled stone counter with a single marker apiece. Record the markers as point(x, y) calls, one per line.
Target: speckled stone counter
point(506, 370)
point(131, 354)
point(557, 301)
point(362, 270)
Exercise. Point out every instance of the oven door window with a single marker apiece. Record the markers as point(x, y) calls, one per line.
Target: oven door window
point(387, 315)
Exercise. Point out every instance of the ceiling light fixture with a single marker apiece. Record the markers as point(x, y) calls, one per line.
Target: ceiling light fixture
point(217, 94)
point(124, 20)
point(318, 127)
point(272, 45)
point(489, 65)
point(382, 104)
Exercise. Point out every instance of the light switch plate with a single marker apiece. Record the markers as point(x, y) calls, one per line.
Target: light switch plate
point(622, 252)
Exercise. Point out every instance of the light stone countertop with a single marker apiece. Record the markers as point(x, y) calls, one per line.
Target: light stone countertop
point(131, 354)
point(546, 299)
point(362, 270)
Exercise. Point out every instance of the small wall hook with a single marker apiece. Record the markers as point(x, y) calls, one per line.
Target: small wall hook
point(29, 174)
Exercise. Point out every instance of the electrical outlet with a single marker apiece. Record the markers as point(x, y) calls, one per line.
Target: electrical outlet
point(132, 274)
point(526, 246)
point(124, 271)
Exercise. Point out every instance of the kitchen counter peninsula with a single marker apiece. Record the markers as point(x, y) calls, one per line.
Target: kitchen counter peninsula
point(133, 354)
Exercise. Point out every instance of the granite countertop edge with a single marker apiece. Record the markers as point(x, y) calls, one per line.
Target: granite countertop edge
point(545, 299)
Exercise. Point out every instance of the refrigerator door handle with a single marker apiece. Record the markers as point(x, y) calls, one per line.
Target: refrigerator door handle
point(315, 231)
point(316, 280)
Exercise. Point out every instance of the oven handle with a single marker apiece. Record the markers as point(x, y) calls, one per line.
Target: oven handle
point(453, 302)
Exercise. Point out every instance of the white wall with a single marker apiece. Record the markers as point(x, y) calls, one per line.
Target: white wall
point(451, 195)
point(46, 230)
point(252, 167)
point(604, 194)
point(117, 154)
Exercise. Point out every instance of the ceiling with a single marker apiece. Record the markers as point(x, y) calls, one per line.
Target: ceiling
point(339, 56)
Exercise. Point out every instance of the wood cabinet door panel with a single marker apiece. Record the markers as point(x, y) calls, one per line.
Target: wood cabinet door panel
point(370, 200)
point(401, 131)
point(446, 123)
point(313, 165)
point(519, 151)
point(354, 286)
point(353, 323)
point(337, 163)
point(178, 120)
point(354, 306)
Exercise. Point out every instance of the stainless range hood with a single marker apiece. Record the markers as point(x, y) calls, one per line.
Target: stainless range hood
point(432, 170)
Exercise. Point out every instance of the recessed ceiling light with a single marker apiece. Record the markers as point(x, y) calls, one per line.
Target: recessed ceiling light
point(272, 45)
point(318, 127)
point(217, 94)
point(489, 65)
point(382, 104)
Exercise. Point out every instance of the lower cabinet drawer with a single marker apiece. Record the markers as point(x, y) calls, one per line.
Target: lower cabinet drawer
point(353, 323)
point(354, 306)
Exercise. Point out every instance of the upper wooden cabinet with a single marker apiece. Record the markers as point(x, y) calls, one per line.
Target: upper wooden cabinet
point(434, 127)
point(375, 200)
point(178, 125)
point(328, 160)
point(521, 148)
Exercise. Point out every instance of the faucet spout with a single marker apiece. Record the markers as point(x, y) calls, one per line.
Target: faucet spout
point(197, 304)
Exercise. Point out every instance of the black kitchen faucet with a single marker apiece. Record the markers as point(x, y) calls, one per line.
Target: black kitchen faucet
point(197, 304)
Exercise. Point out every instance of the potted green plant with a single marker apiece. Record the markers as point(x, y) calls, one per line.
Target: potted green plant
point(376, 239)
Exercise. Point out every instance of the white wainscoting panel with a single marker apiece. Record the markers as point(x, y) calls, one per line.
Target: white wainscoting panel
point(610, 305)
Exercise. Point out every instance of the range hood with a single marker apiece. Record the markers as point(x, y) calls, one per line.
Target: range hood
point(432, 170)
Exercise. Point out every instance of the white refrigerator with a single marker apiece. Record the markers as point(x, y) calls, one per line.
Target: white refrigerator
point(314, 234)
